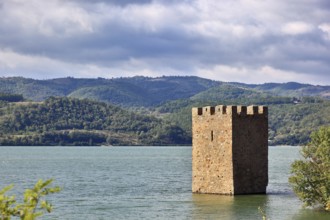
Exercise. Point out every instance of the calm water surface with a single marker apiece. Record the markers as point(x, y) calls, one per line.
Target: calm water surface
point(143, 183)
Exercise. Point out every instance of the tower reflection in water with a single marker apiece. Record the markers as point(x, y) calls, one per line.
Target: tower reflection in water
point(211, 206)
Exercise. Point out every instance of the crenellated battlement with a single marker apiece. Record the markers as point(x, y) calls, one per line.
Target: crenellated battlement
point(231, 110)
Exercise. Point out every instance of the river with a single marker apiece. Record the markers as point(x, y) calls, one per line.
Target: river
point(143, 183)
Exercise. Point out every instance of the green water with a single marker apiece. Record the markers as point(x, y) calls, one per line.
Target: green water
point(143, 183)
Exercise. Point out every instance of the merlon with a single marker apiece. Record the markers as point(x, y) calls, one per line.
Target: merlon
point(231, 109)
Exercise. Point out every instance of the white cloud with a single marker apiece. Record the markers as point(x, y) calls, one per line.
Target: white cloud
point(297, 27)
point(44, 68)
point(258, 75)
point(37, 66)
point(325, 27)
point(150, 18)
point(49, 18)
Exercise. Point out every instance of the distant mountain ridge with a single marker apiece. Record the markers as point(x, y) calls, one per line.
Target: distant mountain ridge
point(292, 89)
point(143, 91)
point(295, 110)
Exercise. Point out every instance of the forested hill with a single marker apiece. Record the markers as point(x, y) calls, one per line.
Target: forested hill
point(133, 91)
point(143, 91)
point(295, 110)
point(290, 122)
point(68, 121)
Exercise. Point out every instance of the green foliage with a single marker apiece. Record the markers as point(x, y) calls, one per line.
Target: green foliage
point(295, 110)
point(144, 91)
point(117, 93)
point(33, 204)
point(11, 97)
point(68, 121)
point(134, 91)
point(291, 89)
point(231, 94)
point(289, 123)
point(292, 124)
point(6, 203)
point(311, 176)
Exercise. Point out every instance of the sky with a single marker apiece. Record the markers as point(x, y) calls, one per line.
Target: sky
point(249, 41)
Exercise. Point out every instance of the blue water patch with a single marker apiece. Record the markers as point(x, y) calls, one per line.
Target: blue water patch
point(142, 183)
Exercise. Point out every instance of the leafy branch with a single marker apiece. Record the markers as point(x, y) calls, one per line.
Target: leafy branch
point(34, 203)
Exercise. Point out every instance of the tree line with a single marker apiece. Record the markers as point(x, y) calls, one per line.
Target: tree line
point(11, 97)
point(69, 121)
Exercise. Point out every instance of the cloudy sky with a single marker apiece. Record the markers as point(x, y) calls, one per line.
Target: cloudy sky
point(252, 41)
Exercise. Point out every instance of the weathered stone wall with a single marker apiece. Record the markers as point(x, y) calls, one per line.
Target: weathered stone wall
point(230, 149)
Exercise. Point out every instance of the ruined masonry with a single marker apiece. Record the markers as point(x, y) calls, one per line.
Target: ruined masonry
point(230, 149)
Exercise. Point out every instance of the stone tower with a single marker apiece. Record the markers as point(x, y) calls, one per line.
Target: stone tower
point(230, 149)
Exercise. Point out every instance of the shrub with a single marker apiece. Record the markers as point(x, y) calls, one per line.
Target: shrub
point(311, 176)
point(33, 205)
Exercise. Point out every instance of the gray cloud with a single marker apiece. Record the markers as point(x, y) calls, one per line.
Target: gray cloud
point(250, 41)
point(113, 2)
